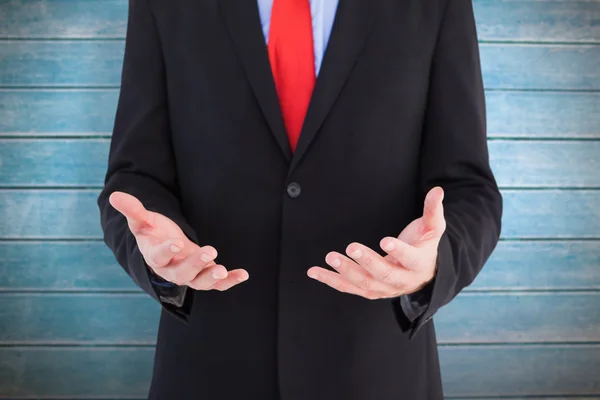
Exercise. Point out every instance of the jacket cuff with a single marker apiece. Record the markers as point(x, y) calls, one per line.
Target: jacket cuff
point(415, 304)
point(144, 278)
point(432, 297)
point(168, 292)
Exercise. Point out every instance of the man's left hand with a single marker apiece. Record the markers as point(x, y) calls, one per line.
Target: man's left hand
point(409, 265)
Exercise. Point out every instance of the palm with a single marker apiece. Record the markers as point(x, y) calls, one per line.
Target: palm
point(159, 228)
point(414, 232)
point(150, 228)
point(168, 251)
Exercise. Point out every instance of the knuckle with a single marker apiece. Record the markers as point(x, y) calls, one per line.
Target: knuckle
point(412, 262)
point(368, 260)
point(387, 275)
point(400, 252)
point(364, 284)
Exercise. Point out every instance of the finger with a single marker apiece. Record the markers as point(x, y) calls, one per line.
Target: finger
point(385, 271)
point(339, 283)
point(131, 208)
point(357, 273)
point(185, 270)
point(234, 278)
point(408, 256)
point(208, 276)
point(433, 213)
point(161, 255)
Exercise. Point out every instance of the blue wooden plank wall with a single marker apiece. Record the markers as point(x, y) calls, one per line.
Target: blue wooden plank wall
point(73, 325)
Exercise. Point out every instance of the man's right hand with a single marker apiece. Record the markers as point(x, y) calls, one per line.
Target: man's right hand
point(168, 251)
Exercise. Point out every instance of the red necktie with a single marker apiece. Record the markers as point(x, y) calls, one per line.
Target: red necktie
point(292, 61)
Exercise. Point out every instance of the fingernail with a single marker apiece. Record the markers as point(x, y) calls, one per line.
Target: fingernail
point(312, 275)
point(241, 278)
point(335, 262)
point(174, 248)
point(205, 257)
point(218, 275)
point(356, 254)
point(389, 245)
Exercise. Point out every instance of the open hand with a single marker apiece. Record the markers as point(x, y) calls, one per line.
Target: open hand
point(168, 251)
point(409, 265)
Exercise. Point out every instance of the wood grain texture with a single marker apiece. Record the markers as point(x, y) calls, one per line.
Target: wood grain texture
point(542, 164)
point(541, 265)
point(98, 63)
point(537, 370)
point(64, 19)
point(91, 112)
point(74, 214)
point(468, 371)
point(61, 63)
point(535, 66)
point(515, 20)
point(520, 318)
point(66, 162)
point(90, 266)
point(543, 114)
point(132, 319)
point(78, 372)
point(69, 319)
point(543, 86)
point(50, 112)
point(539, 21)
point(82, 162)
point(551, 214)
point(61, 266)
point(49, 214)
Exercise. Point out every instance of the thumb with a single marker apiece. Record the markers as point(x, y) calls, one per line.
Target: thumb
point(434, 222)
point(131, 208)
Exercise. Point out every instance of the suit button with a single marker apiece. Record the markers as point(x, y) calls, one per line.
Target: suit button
point(293, 190)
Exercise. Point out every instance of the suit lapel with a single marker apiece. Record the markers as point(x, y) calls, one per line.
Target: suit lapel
point(243, 22)
point(351, 27)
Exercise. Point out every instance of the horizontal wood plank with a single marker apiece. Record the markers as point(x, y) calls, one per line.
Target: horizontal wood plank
point(49, 214)
point(543, 114)
point(90, 266)
point(542, 164)
point(78, 162)
point(132, 319)
point(514, 20)
point(61, 266)
point(551, 214)
point(60, 162)
point(98, 63)
point(468, 371)
point(91, 112)
point(64, 19)
point(80, 373)
point(61, 63)
point(520, 318)
point(541, 265)
point(67, 319)
point(74, 214)
point(538, 21)
point(50, 112)
point(534, 66)
point(479, 371)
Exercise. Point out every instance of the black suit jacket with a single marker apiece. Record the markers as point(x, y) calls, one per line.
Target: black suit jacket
point(398, 108)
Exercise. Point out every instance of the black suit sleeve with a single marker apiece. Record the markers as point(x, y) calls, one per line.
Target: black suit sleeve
point(454, 155)
point(141, 160)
